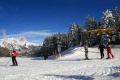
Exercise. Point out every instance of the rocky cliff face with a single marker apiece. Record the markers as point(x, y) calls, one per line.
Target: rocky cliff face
point(20, 44)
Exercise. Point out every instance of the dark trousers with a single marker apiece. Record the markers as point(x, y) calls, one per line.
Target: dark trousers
point(102, 54)
point(14, 61)
point(86, 54)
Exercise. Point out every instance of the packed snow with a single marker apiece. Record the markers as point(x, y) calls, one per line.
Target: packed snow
point(71, 66)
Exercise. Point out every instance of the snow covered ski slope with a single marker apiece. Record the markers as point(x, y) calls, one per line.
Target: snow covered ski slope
point(71, 66)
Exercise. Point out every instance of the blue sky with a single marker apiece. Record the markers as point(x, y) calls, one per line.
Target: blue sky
point(36, 19)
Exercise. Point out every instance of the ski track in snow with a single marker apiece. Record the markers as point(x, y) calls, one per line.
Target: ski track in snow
point(71, 66)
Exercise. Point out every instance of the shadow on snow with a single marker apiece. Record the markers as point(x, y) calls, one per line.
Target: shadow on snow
point(82, 59)
point(42, 58)
point(117, 72)
point(76, 77)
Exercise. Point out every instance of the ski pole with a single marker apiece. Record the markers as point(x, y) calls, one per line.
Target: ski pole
point(9, 59)
point(7, 62)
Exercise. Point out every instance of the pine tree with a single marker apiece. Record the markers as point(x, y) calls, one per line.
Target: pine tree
point(74, 34)
point(90, 23)
point(107, 20)
point(116, 14)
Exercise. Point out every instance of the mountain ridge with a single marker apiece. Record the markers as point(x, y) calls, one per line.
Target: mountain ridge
point(19, 44)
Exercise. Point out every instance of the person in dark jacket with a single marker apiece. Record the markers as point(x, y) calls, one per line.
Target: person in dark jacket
point(45, 57)
point(101, 48)
point(86, 51)
point(14, 61)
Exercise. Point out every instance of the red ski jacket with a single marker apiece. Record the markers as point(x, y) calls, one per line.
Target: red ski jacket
point(109, 48)
point(14, 53)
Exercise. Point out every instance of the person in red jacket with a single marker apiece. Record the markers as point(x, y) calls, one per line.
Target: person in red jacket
point(14, 61)
point(109, 51)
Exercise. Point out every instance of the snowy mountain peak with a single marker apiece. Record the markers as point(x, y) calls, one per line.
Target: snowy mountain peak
point(14, 42)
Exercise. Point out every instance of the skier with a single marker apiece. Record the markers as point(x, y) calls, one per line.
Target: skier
point(101, 48)
point(14, 61)
point(45, 56)
point(86, 51)
point(109, 51)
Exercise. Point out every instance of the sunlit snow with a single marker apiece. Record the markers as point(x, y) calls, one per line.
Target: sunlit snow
point(71, 66)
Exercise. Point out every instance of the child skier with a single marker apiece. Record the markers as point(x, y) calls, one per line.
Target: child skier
point(109, 51)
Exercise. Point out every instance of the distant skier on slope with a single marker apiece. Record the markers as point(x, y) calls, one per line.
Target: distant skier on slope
point(14, 61)
point(86, 51)
point(109, 51)
point(45, 56)
point(101, 47)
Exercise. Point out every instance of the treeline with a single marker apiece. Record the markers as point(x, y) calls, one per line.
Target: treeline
point(52, 43)
point(73, 36)
point(4, 52)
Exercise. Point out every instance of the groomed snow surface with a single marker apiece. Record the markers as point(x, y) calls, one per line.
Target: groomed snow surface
point(71, 66)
